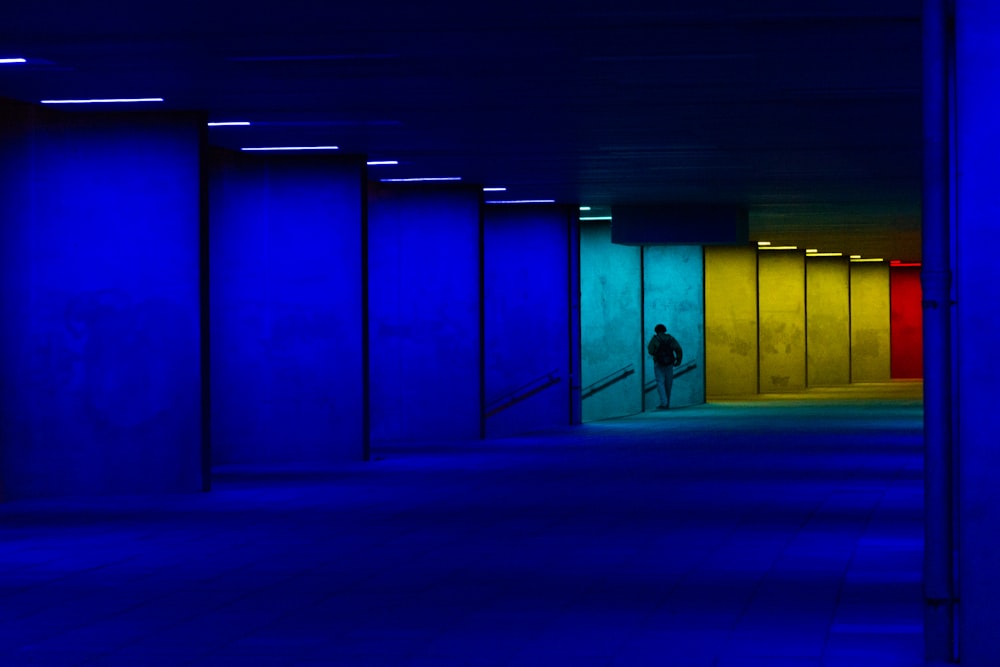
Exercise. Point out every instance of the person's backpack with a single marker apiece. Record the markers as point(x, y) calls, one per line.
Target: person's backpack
point(662, 351)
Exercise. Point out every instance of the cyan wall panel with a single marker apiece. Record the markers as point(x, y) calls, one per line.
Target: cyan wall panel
point(611, 324)
point(828, 321)
point(527, 318)
point(782, 311)
point(870, 352)
point(101, 338)
point(286, 308)
point(424, 306)
point(730, 321)
point(673, 282)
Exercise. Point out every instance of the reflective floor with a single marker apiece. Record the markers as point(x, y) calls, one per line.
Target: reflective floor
point(774, 532)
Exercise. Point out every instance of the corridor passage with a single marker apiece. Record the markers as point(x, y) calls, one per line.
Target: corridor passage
point(781, 531)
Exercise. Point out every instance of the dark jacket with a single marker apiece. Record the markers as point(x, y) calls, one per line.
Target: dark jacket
point(665, 350)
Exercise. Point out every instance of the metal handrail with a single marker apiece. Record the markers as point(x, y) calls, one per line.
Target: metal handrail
point(680, 370)
point(607, 381)
point(523, 392)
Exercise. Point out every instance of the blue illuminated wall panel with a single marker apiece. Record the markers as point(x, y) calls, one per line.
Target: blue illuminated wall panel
point(527, 318)
point(424, 305)
point(977, 274)
point(101, 336)
point(781, 306)
point(674, 296)
point(286, 308)
point(611, 324)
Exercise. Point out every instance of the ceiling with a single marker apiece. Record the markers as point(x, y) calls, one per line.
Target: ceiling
point(806, 112)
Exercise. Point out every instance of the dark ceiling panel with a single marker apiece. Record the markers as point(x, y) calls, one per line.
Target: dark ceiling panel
point(807, 113)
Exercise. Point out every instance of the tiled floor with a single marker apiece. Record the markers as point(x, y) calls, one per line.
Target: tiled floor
point(778, 532)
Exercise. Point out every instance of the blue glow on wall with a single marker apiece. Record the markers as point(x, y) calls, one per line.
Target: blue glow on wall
point(424, 311)
point(101, 330)
point(286, 308)
point(527, 335)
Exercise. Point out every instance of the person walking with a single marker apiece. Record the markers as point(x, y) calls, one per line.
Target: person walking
point(667, 355)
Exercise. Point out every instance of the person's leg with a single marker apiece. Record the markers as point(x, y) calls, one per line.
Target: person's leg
point(660, 372)
point(668, 385)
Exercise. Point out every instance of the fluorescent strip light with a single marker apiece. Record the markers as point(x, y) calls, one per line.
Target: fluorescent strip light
point(110, 100)
point(522, 201)
point(230, 123)
point(379, 163)
point(595, 217)
point(871, 259)
point(418, 180)
point(825, 254)
point(584, 208)
point(855, 256)
point(763, 243)
point(811, 251)
point(494, 189)
point(777, 247)
point(291, 148)
point(12, 61)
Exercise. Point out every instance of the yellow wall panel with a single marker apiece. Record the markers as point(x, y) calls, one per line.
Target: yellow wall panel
point(782, 313)
point(870, 353)
point(730, 320)
point(828, 321)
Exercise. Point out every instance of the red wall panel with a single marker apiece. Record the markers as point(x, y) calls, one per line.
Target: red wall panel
point(906, 322)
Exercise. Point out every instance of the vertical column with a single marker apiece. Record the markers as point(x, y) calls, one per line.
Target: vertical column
point(828, 321)
point(906, 322)
point(424, 307)
point(101, 336)
point(674, 295)
point(782, 339)
point(977, 274)
point(730, 321)
point(870, 354)
point(527, 318)
point(611, 324)
point(286, 308)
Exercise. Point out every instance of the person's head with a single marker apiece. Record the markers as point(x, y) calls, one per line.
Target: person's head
point(660, 329)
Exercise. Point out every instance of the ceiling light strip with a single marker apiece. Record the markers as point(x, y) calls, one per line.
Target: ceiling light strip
point(522, 201)
point(108, 100)
point(381, 163)
point(230, 123)
point(290, 148)
point(12, 61)
point(420, 180)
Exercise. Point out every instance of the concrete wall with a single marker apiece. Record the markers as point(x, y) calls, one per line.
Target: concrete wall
point(730, 321)
point(424, 306)
point(782, 312)
point(101, 339)
point(611, 323)
point(870, 350)
point(674, 296)
point(286, 308)
point(527, 318)
point(828, 321)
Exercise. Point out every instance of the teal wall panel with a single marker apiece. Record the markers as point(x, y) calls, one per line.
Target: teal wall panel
point(611, 325)
point(674, 296)
point(782, 313)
